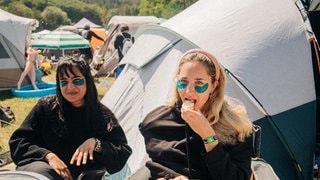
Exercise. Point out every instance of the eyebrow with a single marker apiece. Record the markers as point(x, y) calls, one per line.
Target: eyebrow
point(200, 79)
point(72, 77)
point(197, 79)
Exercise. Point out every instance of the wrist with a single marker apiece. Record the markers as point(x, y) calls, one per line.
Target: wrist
point(97, 147)
point(49, 156)
point(210, 142)
point(210, 139)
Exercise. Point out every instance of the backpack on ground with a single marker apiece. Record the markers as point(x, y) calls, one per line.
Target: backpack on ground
point(127, 43)
point(6, 116)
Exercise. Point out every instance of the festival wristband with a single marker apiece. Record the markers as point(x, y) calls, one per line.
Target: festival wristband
point(210, 139)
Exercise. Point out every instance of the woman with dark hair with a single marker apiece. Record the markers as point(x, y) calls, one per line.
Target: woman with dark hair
point(200, 134)
point(71, 132)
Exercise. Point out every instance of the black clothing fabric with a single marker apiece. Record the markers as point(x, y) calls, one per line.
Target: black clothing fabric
point(88, 34)
point(43, 132)
point(165, 133)
point(118, 43)
point(88, 54)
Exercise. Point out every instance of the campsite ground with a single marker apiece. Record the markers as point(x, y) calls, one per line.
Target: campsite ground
point(22, 106)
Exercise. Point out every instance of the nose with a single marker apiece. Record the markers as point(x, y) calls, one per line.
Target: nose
point(70, 85)
point(189, 88)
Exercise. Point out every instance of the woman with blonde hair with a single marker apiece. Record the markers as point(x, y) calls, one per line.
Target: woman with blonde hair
point(199, 134)
point(30, 67)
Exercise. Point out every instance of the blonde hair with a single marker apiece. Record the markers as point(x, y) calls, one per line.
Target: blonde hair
point(230, 123)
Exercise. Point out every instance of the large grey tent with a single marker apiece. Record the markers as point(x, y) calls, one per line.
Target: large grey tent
point(15, 35)
point(265, 49)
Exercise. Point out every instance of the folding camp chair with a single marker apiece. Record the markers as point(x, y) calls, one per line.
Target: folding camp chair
point(261, 169)
point(92, 175)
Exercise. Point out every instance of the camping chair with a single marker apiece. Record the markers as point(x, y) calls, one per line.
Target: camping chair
point(104, 80)
point(86, 175)
point(261, 169)
point(256, 139)
point(18, 175)
point(92, 175)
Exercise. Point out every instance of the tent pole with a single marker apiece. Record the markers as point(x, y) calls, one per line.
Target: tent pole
point(275, 126)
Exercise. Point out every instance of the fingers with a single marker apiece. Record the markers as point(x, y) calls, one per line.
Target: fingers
point(74, 157)
point(60, 167)
point(91, 155)
point(83, 153)
point(84, 159)
point(79, 158)
point(65, 174)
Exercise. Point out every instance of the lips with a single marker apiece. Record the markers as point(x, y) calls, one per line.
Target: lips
point(72, 93)
point(188, 104)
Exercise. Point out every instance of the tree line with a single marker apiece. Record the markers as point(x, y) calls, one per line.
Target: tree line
point(53, 13)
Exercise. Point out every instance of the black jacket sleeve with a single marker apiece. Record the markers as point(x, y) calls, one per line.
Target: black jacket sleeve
point(115, 150)
point(26, 142)
point(230, 161)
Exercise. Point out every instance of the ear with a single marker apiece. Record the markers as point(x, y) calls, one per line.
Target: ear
point(214, 86)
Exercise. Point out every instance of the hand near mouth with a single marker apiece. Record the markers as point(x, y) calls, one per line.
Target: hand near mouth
point(197, 122)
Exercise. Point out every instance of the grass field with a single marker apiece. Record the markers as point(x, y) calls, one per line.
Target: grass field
point(22, 106)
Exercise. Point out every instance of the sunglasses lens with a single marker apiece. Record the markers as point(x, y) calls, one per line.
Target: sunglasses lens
point(76, 82)
point(63, 83)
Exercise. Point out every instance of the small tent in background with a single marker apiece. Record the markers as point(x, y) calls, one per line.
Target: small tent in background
point(15, 34)
point(107, 51)
point(37, 35)
point(98, 29)
point(134, 22)
point(265, 49)
point(84, 21)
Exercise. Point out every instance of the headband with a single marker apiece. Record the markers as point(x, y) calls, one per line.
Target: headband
point(210, 56)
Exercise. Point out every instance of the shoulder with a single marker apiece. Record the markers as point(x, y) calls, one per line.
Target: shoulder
point(119, 38)
point(160, 112)
point(45, 109)
point(127, 35)
point(159, 117)
point(48, 101)
point(104, 109)
point(107, 114)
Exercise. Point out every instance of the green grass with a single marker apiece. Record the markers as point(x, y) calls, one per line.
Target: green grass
point(22, 106)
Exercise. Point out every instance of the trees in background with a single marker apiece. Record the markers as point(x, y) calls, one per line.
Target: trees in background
point(52, 16)
point(163, 8)
point(53, 13)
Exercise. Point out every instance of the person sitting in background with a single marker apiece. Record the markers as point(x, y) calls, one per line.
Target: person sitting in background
point(70, 132)
point(30, 67)
point(199, 134)
point(53, 57)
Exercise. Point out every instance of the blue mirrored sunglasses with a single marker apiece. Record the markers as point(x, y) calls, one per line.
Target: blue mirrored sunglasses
point(76, 82)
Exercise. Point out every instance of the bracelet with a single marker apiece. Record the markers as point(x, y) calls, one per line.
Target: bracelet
point(98, 147)
point(210, 139)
